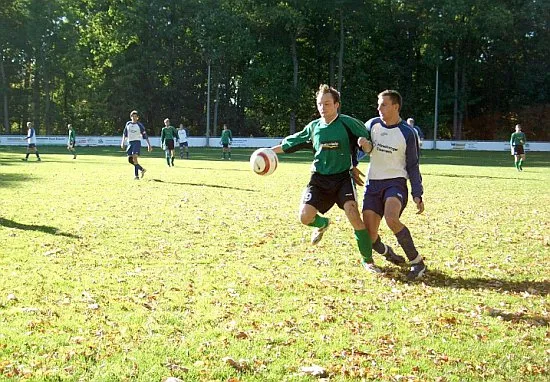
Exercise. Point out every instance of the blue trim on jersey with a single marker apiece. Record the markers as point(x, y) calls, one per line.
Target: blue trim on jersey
point(141, 130)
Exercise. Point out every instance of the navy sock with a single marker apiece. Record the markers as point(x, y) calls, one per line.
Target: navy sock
point(405, 240)
point(136, 169)
point(379, 247)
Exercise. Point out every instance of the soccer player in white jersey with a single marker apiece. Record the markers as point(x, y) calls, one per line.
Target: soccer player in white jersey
point(134, 131)
point(393, 160)
point(31, 142)
point(184, 145)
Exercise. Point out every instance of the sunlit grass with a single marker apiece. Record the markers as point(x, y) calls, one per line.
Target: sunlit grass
point(107, 278)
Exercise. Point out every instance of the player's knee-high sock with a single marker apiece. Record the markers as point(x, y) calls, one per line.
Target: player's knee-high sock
point(37, 155)
point(520, 163)
point(172, 160)
point(136, 169)
point(224, 155)
point(167, 156)
point(27, 155)
point(365, 244)
point(380, 247)
point(229, 153)
point(187, 154)
point(405, 240)
point(319, 222)
point(516, 164)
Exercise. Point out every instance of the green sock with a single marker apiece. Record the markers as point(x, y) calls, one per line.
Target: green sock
point(520, 163)
point(516, 164)
point(319, 222)
point(365, 244)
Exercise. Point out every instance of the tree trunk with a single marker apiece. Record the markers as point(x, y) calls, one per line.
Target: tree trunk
point(4, 87)
point(455, 109)
point(216, 104)
point(341, 53)
point(294, 85)
point(47, 104)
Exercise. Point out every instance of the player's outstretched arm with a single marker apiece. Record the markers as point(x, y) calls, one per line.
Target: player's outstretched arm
point(278, 149)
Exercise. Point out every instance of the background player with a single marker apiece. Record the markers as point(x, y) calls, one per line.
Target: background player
point(167, 137)
point(517, 140)
point(226, 140)
point(133, 132)
point(184, 145)
point(71, 140)
point(31, 142)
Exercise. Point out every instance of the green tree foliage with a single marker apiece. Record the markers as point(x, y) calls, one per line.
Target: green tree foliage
point(90, 62)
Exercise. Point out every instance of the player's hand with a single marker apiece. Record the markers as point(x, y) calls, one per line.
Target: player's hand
point(122, 147)
point(365, 144)
point(357, 176)
point(419, 204)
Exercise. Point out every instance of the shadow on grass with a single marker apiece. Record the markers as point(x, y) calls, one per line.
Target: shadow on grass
point(204, 185)
point(32, 227)
point(439, 279)
point(7, 179)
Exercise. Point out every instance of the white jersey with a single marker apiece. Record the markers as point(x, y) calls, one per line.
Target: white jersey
point(134, 131)
point(31, 137)
point(395, 153)
point(182, 134)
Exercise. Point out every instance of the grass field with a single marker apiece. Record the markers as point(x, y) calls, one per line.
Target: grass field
point(203, 272)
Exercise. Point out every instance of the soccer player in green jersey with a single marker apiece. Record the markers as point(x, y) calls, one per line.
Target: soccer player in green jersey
point(335, 139)
point(71, 141)
point(167, 137)
point(226, 140)
point(517, 140)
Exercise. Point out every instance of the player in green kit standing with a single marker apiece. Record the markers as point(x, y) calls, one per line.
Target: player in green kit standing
point(517, 140)
point(226, 140)
point(167, 137)
point(335, 139)
point(71, 140)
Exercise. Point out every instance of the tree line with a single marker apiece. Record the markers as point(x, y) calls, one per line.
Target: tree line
point(255, 64)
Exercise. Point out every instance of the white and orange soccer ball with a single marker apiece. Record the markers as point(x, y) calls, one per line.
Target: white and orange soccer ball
point(264, 161)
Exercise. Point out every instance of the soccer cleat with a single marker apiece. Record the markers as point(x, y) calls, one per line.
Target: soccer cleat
point(317, 234)
point(143, 172)
point(39, 160)
point(520, 168)
point(136, 177)
point(370, 267)
point(24, 159)
point(393, 258)
point(417, 271)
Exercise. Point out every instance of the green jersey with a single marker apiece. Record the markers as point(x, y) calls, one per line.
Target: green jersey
point(168, 132)
point(72, 136)
point(332, 143)
point(226, 137)
point(517, 139)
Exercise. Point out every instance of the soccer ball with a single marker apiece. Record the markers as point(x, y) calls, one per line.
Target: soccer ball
point(264, 161)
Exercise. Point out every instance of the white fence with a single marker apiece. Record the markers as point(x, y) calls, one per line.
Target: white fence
point(17, 140)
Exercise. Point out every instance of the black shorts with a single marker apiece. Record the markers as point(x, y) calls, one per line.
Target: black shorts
point(169, 144)
point(518, 150)
point(323, 191)
point(184, 144)
point(225, 145)
point(31, 145)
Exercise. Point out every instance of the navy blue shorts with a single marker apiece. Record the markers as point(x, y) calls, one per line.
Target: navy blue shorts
point(134, 148)
point(184, 144)
point(378, 191)
point(31, 145)
point(225, 145)
point(323, 191)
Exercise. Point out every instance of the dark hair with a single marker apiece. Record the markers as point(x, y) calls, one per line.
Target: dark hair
point(324, 89)
point(394, 96)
